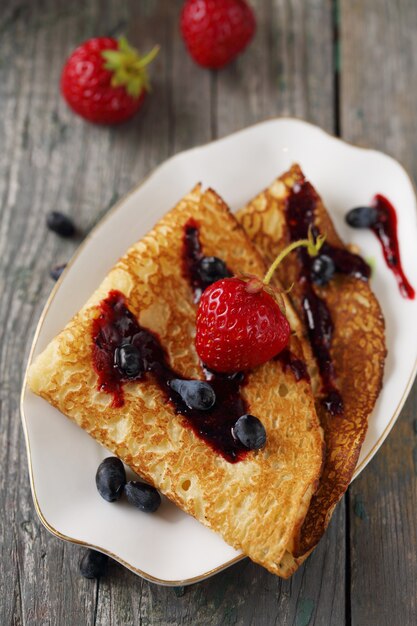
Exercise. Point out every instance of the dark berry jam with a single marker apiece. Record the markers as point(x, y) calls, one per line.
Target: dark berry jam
point(296, 365)
point(200, 271)
point(192, 255)
point(300, 210)
point(301, 205)
point(385, 228)
point(115, 326)
point(346, 262)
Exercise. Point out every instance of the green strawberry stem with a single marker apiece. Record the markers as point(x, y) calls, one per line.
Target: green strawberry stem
point(313, 248)
point(129, 69)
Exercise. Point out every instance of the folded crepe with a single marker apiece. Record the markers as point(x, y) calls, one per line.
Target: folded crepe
point(256, 500)
point(344, 325)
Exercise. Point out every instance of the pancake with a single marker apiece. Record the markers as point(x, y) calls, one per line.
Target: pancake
point(257, 503)
point(357, 346)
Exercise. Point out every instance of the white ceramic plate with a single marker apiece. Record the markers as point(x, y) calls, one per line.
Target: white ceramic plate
point(170, 547)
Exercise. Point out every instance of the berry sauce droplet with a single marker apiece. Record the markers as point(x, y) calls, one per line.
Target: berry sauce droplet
point(300, 209)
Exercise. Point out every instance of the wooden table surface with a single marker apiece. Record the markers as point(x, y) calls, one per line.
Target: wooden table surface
point(349, 66)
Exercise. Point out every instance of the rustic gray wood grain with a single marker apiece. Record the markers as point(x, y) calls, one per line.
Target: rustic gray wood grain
point(287, 71)
point(379, 85)
point(50, 159)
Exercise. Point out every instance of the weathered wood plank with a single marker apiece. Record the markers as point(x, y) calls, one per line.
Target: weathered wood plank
point(287, 71)
point(28, 584)
point(379, 82)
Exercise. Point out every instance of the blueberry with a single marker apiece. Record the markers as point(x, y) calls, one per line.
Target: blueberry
point(93, 564)
point(56, 271)
point(322, 269)
point(128, 360)
point(61, 224)
point(195, 393)
point(144, 497)
point(362, 217)
point(111, 478)
point(212, 268)
point(250, 432)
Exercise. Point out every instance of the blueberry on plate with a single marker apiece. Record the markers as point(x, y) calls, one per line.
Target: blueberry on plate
point(93, 564)
point(362, 217)
point(57, 270)
point(211, 268)
point(250, 431)
point(111, 478)
point(322, 269)
point(196, 394)
point(144, 497)
point(128, 360)
point(60, 224)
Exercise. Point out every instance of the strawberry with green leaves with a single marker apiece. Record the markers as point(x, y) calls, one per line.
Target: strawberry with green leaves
point(105, 80)
point(241, 321)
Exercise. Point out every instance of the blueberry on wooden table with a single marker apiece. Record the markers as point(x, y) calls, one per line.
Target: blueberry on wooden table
point(144, 497)
point(196, 394)
point(211, 268)
point(250, 431)
point(111, 478)
point(60, 224)
point(362, 217)
point(93, 564)
point(57, 270)
point(322, 269)
point(128, 360)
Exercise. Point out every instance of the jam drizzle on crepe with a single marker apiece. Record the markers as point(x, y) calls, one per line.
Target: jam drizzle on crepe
point(117, 325)
point(300, 208)
point(296, 365)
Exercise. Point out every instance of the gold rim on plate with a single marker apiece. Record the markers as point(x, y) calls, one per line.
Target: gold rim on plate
point(109, 214)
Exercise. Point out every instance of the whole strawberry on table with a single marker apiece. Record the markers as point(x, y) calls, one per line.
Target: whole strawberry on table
point(216, 31)
point(105, 80)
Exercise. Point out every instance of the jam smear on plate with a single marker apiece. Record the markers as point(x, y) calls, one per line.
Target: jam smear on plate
point(300, 208)
point(117, 325)
point(385, 228)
